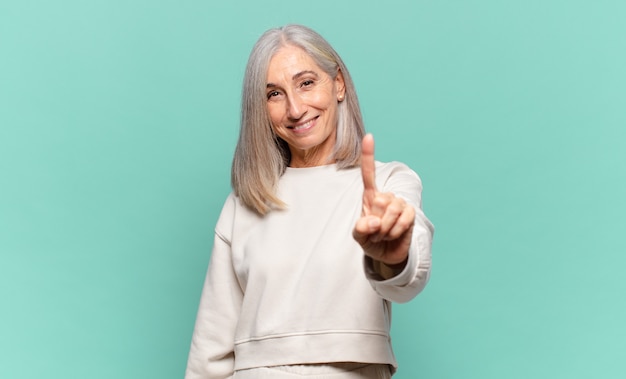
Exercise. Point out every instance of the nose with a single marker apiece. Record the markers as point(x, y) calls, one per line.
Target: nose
point(295, 107)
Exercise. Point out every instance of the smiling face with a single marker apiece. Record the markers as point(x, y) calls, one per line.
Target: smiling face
point(302, 102)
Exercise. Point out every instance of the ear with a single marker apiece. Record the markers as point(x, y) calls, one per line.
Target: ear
point(340, 86)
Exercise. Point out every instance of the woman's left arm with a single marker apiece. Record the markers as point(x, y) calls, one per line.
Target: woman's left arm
point(393, 231)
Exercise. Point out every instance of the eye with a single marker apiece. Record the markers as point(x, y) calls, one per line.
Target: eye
point(307, 83)
point(271, 94)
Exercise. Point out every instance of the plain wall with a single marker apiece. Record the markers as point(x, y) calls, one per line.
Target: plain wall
point(118, 121)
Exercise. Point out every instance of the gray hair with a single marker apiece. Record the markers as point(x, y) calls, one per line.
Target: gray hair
point(261, 157)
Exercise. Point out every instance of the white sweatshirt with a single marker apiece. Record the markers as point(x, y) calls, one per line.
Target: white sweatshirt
point(293, 287)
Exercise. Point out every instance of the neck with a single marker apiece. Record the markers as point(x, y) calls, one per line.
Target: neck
point(310, 158)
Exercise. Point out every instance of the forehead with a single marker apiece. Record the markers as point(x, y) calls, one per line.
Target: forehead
point(288, 61)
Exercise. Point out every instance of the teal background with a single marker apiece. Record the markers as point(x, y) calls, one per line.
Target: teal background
point(118, 121)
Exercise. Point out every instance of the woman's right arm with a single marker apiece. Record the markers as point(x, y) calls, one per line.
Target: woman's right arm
point(212, 346)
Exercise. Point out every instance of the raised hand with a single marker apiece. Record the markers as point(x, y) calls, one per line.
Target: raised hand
point(385, 227)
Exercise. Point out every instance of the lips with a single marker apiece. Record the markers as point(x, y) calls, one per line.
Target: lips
point(303, 126)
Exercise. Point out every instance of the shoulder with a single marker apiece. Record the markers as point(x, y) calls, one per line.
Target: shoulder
point(400, 179)
point(386, 171)
point(234, 215)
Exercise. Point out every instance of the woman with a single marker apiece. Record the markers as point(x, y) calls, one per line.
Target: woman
point(317, 238)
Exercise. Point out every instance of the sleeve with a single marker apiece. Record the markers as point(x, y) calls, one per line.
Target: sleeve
point(404, 182)
point(211, 355)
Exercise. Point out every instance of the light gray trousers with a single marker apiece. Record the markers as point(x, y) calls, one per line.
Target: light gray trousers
point(318, 371)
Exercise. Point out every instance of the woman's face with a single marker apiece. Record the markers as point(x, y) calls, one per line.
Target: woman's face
point(302, 103)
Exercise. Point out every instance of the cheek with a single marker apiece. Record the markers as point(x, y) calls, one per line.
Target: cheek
point(276, 113)
point(327, 99)
point(324, 102)
point(319, 99)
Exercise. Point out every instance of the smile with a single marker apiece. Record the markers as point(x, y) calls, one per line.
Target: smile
point(303, 126)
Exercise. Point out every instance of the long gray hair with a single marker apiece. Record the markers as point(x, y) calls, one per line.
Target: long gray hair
point(261, 157)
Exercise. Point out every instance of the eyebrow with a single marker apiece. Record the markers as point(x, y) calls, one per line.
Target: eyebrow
point(295, 77)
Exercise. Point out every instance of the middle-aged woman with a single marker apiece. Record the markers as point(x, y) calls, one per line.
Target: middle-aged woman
point(317, 239)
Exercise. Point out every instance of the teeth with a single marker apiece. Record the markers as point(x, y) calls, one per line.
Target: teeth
point(305, 125)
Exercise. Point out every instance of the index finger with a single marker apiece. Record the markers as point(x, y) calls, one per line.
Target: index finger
point(368, 167)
